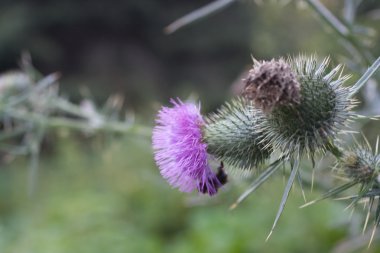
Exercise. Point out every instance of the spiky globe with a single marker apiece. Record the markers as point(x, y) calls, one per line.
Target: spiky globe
point(323, 109)
point(231, 135)
point(359, 164)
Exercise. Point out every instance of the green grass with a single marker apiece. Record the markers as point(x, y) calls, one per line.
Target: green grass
point(95, 197)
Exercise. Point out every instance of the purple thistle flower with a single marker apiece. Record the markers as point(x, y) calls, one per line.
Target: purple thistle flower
point(179, 151)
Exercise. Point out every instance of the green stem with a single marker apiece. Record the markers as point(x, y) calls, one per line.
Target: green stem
point(15, 132)
point(341, 29)
point(365, 77)
point(60, 122)
point(197, 15)
point(285, 195)
point(41, 85)
point(68, 107)
point(115, 127)
point(333, 149)
point(35, 145)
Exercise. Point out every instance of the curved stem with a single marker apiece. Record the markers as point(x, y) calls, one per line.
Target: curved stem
point(197, 15)
point(365, 77)
point(341, 29)
point(333, 149)
point(61, 122)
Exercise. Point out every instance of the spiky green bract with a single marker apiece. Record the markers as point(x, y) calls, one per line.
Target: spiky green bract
point(324, 108)
point(360, 167)
point(361, 164)
point(231, 135)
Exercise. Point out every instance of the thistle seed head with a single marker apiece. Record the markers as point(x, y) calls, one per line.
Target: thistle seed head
point(231, 135)
point(323, 109)
point(270, 84)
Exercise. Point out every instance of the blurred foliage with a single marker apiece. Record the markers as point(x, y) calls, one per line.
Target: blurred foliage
point(120, 46)
point(101, 200)
point(105, 194)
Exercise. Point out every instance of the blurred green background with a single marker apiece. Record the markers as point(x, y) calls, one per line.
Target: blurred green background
point(106, 195)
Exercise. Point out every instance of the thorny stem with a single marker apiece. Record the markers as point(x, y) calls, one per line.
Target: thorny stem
point(198, 14)
point(333, 149)
point(341, 29)
point(15, 132)
point(34, 160)
point(365, 77)
point(58, 122)
point(68, 107)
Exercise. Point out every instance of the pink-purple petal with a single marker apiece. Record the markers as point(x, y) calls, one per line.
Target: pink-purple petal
point(179, 150)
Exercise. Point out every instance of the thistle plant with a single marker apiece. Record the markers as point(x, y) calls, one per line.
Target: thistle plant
point(31, 106)
point(359, 167)
point(287, 108)
point(289, 111)
point(310, 111)
point(295, 108)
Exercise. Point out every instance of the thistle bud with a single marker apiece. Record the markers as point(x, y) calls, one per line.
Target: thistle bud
point(358, 165)
point(318, 110)
point(231, 135)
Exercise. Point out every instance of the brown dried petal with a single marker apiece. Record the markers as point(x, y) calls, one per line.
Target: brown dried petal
point(272, 83)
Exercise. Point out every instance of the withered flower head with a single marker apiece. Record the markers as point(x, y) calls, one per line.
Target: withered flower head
point(272, 83)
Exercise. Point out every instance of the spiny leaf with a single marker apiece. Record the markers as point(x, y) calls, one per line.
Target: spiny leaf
point(364, 78)
point(331, 193)
point(256, 183)
point(377, 220)
point(286, 193)
point(301, 185)
point(197, 15)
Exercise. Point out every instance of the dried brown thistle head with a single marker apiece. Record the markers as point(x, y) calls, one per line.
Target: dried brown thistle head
point(270, 84)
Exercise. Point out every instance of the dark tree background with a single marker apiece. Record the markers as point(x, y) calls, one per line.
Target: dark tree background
point(120, 47)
